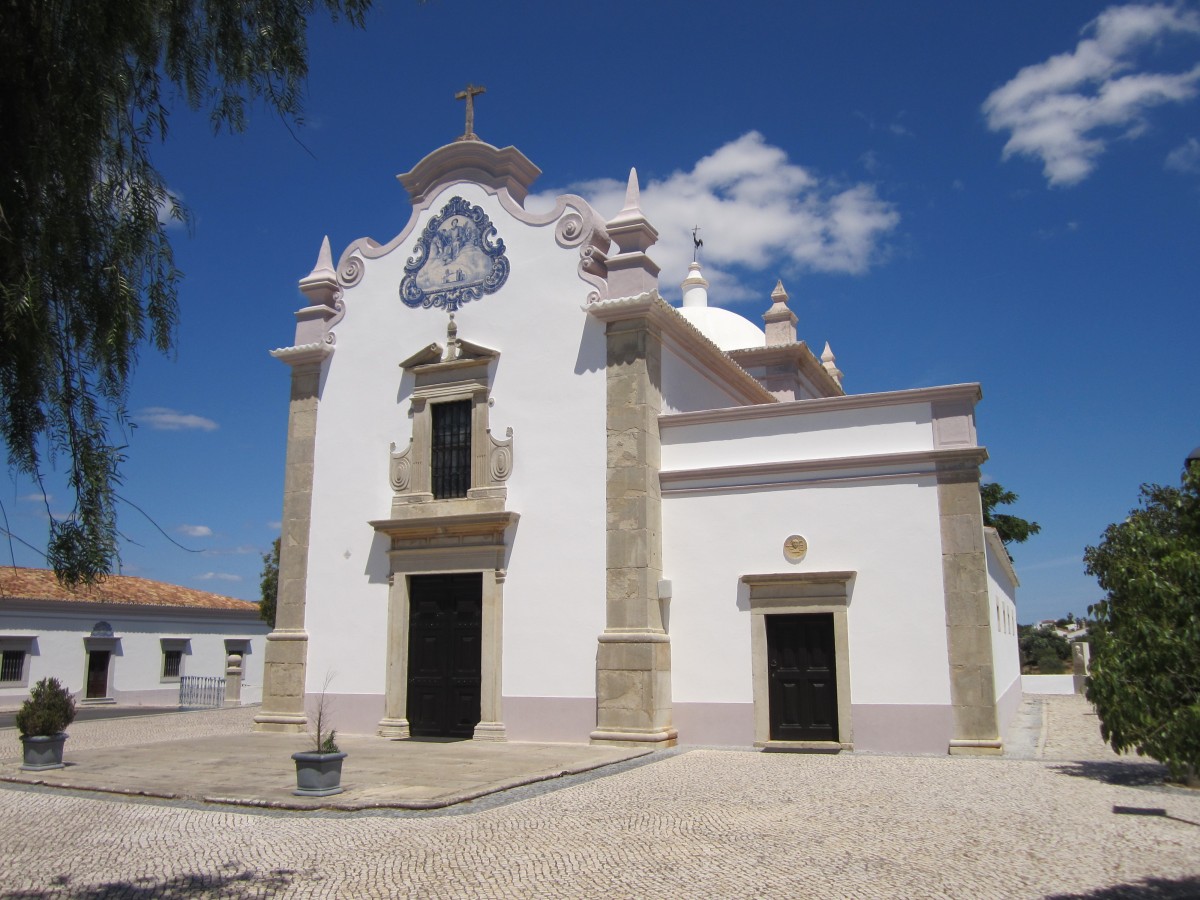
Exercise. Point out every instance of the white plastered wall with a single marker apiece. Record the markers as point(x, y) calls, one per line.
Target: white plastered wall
point(135, 668)
point(886, 532)
point(548, 386)
point(812, 436)
point(1006, 654)
point(688, 386)
point(879, 524)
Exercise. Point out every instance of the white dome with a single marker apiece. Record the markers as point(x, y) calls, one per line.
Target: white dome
point(726, 329)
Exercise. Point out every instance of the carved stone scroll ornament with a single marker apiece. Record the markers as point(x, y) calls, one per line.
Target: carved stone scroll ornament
point(500, 458)
point(351, 272)
point(400, 471)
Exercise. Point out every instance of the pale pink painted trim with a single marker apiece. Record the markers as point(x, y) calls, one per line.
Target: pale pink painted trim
point(508, 169)
point(798, 352)
point(969, 391)
point(917, 462)
point(904, 728)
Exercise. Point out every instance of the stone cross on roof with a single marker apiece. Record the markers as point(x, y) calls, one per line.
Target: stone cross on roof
point(469, 95)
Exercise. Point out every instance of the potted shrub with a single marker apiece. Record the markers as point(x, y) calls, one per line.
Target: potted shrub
point(42, 721)
point(319, 771)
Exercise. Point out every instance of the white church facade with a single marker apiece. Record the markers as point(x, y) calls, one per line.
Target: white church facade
point(528, 499)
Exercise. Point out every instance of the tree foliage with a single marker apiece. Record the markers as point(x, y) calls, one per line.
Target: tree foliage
point(1012, 529)
point(87, 275)
point(1043, 651)
point(269, 584)
point(48, 710)
point(1145, 671)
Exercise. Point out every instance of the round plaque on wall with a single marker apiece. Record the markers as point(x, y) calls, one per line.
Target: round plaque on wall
point(795, 548)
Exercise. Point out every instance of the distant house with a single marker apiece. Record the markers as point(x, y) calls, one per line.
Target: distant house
point(127, 640)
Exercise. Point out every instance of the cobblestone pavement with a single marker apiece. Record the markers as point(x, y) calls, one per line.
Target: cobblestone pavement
point(700, 823)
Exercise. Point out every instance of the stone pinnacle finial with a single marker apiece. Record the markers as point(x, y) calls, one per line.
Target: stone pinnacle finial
point(320, 285)
point(694, 287)
point(453, 351)
point(781, 321)
point(633, 193)
point(828, 361)
point(630, 271)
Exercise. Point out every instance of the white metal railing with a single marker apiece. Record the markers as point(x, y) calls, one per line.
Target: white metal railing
point(199, 692)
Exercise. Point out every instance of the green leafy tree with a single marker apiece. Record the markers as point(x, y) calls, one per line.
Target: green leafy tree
point(269, 584)
point(87, 274)
point(1012, 529)
point(1145, 670)
point(1043, 652)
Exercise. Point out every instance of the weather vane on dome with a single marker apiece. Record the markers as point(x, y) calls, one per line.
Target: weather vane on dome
point(696, 243)
point(469, 95)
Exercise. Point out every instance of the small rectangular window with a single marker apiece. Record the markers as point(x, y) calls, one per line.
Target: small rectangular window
point(12, 666)
point(451, 449)
point(172, 663)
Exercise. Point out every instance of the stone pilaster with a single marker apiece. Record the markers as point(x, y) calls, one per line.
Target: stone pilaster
point(287, 644)
point(633, 663)
point(968, 626)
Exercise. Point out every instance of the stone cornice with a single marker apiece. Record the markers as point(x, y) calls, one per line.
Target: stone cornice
point(475, 161)
point(464, 525)
point(970, 391)
point(799, 354)
point(799, 578)
point(1001, 553)
point(768, 474)
point(686, 337)
point(304, 353)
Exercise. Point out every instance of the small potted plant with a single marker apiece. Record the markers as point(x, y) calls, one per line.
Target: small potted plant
point(42, 721)
point(319, 771)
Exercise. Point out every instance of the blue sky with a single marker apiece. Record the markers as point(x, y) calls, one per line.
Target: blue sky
point(1003, 192)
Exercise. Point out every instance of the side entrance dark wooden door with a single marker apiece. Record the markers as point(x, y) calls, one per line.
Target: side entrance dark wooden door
point(97, 675)
point(445, 627)
point(803, 686)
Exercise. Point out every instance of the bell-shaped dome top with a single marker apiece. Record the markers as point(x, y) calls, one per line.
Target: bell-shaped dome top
point(726, 329)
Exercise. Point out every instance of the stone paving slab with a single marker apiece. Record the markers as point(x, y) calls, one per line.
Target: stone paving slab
point(257, 770)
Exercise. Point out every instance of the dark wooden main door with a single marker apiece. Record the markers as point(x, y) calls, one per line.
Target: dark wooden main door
point(445, 627)
point(97, 674)
point(803, 686)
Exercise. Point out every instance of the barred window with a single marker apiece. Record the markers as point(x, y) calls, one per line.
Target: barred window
point(451, 449)
point(172, 663)
point(12, 665)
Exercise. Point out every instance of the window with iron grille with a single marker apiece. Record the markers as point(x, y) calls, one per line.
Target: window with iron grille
point(451, 469)
point(172, 663)
point(12, 665)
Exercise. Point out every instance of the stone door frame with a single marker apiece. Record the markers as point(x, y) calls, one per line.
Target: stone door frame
point(798, 593)
point(445, 546)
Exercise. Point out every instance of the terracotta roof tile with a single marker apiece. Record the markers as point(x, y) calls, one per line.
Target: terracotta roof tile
point(40, 584)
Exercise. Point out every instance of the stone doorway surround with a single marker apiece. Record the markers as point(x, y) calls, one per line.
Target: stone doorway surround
point(441, 545)
point(793, 593)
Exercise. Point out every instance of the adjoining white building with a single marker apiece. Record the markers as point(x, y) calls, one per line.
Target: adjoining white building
point(527, 499)
point(125, 640)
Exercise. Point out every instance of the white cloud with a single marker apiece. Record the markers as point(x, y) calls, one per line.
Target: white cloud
point(1066, 110)
point(37, 498)
point(195, 530)
point(275, 526)
point(220, 576)
point(160, 418)
point(1185, 157)
point(755, 209)
point(170, 210)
